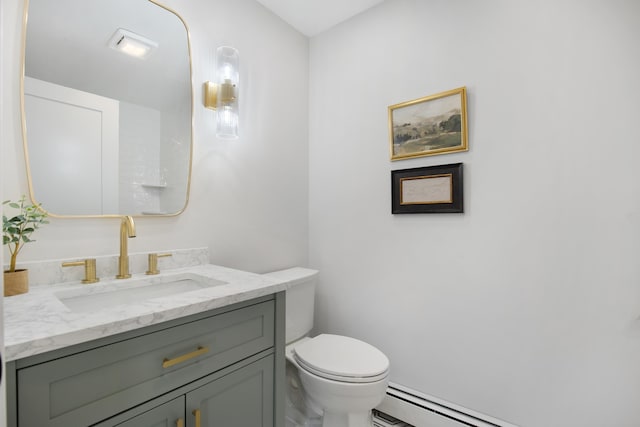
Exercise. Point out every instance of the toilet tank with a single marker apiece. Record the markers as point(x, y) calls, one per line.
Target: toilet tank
point(300, 298)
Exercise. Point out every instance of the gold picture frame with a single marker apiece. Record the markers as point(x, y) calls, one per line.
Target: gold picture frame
point(435, 124)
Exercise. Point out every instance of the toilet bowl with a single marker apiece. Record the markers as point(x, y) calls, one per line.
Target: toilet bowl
point(342, 378)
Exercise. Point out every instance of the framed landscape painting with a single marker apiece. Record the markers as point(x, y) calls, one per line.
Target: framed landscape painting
point(435, 124)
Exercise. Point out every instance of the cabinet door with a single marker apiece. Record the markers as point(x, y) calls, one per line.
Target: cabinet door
point(170, 414)
point(241, 398)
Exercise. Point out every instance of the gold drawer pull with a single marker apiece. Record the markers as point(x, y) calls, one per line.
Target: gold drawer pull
point(196, 413)
point(180, 422)
point(167, 363)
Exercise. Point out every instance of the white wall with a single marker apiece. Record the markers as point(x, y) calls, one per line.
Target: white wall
point(248, 201)
point(3, 409)
point(526, 307)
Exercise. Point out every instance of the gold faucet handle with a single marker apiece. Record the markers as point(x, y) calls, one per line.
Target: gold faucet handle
point(89, 269)
point(153, 262)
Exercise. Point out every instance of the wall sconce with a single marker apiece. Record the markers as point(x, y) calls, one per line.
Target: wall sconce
point(222, 94)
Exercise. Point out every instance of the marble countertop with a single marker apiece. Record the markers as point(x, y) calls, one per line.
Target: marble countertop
point(38, 321)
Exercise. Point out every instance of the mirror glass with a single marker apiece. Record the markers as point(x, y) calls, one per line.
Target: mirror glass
point(105, 132)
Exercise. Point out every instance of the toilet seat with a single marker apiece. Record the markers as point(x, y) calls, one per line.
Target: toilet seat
point(341, 358)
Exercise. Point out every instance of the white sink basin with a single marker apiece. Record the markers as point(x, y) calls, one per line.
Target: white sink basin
point(128, 291)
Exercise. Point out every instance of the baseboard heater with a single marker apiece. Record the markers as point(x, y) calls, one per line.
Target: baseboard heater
point(421, 410)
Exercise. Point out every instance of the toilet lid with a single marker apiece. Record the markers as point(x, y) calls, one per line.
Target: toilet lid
point(342, 358)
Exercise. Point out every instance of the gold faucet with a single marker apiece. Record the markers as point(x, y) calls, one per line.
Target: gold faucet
point(153, 262)
point(127, 230)
point(89, 269)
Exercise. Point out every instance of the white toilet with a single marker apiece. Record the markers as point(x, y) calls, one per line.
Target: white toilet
point(342, 378)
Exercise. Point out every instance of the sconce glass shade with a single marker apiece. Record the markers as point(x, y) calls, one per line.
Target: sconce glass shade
point(227, 79)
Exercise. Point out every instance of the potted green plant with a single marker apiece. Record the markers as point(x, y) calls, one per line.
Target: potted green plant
point(16, 232)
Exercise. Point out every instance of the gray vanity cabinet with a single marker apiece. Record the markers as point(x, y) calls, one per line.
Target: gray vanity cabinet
point(170, 414)
point(225, 367)
point(239, 399)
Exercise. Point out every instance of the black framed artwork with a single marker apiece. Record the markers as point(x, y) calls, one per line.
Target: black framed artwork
point(431, 189)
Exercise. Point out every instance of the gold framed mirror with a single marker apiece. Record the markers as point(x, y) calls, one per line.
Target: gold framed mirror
point(107, 107)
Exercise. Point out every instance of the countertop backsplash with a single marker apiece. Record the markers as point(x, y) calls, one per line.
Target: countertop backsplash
point(51, 271)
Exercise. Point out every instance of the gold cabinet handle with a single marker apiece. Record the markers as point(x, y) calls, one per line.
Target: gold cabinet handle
point(196, 413)
point(167, 363)
point(180, 422)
